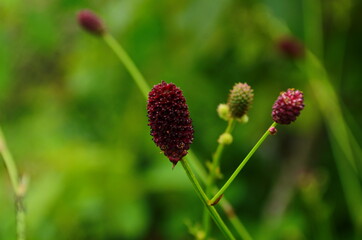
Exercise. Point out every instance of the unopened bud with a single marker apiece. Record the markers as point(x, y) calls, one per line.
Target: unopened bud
point(223, 111)
point(225, 139)
point(243, 119)
point(240, 100)
point(91, 22)
point(273, 131)
point(290, 47)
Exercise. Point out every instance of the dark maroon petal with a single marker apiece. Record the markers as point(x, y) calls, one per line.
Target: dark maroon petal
point(169, 119)
point(287, 107)
point(90, 22)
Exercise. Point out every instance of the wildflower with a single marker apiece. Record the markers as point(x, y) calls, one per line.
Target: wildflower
point(90, 22)
point(291, 47)
point(287, 107)
point(240, 100)
point(170, 122)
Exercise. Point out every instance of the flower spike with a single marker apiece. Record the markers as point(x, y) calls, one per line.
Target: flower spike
point(287, 107)
point(170, 122)
point(240, 100)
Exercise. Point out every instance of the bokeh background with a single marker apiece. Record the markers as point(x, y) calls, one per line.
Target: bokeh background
point(77, 127)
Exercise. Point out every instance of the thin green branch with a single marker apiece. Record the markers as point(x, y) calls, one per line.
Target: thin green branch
point(214, 171)
point(214, 214)
point(225, 205)
point(240, 167)
point(128, 63)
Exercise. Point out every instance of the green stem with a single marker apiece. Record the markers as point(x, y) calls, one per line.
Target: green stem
point(225, 205)
point(239, 227)
point(128, 63)
point(242, 164)
point(14, 179)
point(214, 170)
point(214, 214)
point(219, 150)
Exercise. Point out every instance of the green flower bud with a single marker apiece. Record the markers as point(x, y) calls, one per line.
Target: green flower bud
point(225, 139)
point(223, 111)
point(240, 99)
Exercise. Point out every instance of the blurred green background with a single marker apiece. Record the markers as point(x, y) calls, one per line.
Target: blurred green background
point(76, 122)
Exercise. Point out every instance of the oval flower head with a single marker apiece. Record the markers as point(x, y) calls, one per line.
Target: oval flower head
point(287, 107)
point(240, 100)
point(170, 122)
point(90, 22)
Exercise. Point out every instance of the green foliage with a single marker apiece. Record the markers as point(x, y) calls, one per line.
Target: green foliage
point(76, 122)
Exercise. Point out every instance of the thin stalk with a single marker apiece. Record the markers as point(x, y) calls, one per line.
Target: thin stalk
point(239, 227)
point(220, 148)
point(214, 214)
point(215, 166)
point(128, 63)
point(225, 204)
point(18, 191)
point(242, 164)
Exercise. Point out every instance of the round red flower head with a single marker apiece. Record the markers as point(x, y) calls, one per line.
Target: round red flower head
point(170, 122)
point(90, 22)
point(287, 107)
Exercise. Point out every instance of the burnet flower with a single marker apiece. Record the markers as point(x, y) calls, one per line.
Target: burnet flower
point(240, 100)
point(170, 122)
point(90, 22)
point(291, 47)
point(287, 107)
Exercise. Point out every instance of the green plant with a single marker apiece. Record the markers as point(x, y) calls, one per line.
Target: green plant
point(172, 131)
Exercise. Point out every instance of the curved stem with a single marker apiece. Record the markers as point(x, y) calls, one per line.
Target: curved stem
point(219, 150)
point(128, 63)
point(214, 214)
point(225, 205)
point(242, 164)
point(215, 166)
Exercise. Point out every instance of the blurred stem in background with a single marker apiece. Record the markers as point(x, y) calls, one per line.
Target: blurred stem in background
point(19, 186)
point(341, 137)
point(214, 214)
point(128, 63)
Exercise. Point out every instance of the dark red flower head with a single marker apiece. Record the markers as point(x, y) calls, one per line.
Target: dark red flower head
point(90, 22)
point(287, 107)
point(170, 121)
point(291, 47)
